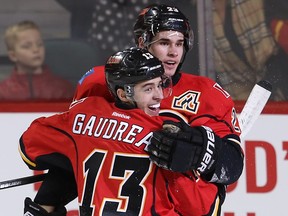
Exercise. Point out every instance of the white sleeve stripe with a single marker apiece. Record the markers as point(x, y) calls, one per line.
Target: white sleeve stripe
point(234, 140)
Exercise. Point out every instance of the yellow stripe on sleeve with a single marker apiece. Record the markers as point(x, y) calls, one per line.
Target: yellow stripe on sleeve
point(25, 158)
point(217, 202)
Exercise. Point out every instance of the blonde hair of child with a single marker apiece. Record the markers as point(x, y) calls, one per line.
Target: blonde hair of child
point(11, 33)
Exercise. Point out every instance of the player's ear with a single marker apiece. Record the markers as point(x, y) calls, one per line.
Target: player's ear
point(122, 95)
point(141, 42)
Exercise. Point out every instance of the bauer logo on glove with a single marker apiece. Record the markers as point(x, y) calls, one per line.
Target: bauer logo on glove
point(208, 158)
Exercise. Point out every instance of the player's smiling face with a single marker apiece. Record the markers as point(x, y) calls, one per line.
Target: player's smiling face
point(148, 95)
point(168, 47)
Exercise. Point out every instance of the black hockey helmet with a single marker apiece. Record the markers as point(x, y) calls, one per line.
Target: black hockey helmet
point(129, 67)
point(156, 18)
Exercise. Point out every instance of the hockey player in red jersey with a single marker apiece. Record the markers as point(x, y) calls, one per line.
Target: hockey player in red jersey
point(105, 144)
point(166, 33)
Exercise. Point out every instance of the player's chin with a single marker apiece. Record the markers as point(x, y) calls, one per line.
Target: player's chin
point(170, 70)
point(152, 112)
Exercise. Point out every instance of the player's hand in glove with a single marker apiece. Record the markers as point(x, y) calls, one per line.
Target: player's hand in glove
point(179, 147)
point(33, 209)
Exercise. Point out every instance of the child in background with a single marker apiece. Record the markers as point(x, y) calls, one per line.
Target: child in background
point(30, 78)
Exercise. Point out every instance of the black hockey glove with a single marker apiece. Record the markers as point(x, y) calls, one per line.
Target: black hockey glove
point(33, 209)
point(179, 147)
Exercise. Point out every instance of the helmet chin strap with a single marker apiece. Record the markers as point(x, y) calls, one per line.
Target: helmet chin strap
point(126, 105)
point(133, 103)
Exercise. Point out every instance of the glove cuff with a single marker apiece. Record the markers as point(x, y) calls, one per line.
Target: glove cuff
point(33, 209)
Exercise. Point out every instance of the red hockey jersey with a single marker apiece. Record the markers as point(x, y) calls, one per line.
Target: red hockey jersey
point(198, 99)
point(106, 147)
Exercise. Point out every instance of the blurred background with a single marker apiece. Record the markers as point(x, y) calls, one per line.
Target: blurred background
point(73, 43)
point(237, 43)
